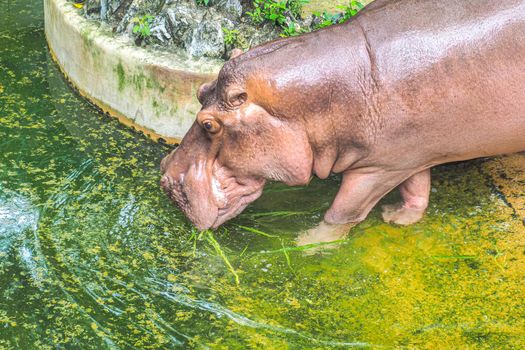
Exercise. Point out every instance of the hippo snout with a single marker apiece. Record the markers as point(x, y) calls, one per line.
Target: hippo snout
point(209, 201)
point(165, 182)
point(192, 199)
point(173, 190)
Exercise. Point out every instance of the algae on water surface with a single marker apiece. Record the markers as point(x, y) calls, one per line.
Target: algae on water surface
point(92, 255)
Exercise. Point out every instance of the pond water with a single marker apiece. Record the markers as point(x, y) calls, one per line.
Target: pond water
point(92, 254)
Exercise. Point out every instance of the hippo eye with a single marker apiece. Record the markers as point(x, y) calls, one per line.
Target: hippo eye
point(211, 126)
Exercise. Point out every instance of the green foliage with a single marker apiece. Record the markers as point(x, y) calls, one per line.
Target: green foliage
point(142, 27)
point(284, 13)
point(281, 13)
point(231, 36)
point(327, 19)
point(203, 2)
point(276, 11)
point(348, 11)
point(296, 6)
point(292, 29)
point(207, 235)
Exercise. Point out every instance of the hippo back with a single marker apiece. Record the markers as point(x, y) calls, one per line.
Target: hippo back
point(450, 75)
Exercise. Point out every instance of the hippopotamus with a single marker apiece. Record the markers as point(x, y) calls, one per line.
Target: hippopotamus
point(401, 87)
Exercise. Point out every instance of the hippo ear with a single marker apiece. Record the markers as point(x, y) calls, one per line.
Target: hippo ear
point(204, 91)
point(235, 53)
point(236, 96)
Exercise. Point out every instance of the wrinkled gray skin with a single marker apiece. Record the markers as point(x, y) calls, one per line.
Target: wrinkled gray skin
point(403, 86)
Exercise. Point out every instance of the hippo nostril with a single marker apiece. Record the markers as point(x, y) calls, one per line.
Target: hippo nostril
point(165, 182)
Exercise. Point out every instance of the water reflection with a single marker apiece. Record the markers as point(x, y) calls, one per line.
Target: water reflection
point(18, 226)
point(16, 216)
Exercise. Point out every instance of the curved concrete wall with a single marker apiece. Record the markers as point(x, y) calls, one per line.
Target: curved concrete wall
point(152, 92)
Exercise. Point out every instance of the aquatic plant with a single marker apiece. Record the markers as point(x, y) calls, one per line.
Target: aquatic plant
point(211, 239)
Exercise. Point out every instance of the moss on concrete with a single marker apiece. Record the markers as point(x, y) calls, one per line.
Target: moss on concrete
point(121, 76)
point(87, 33)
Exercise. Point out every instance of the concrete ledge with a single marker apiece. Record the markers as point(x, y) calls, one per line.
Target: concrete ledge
point(154, 93)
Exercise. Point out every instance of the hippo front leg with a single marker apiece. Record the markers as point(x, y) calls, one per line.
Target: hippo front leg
point(414, 192)
point(359, 193)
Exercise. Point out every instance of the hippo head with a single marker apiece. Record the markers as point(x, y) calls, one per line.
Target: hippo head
point(235, 144)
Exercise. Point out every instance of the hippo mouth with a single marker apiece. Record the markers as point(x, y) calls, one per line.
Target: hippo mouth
point(209, 200)
point(236, 206)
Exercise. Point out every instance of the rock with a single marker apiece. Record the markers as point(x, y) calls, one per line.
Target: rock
point(196, 28)
point(117, 9)
point(103, 10)
point(231, 7)
point(259, 35)
point(226, 23)
point(182, 20)
point(207, 40)
point(306, 23)
point(92, 9)
point(137, 8)
point(106, 10)
point(161, 31)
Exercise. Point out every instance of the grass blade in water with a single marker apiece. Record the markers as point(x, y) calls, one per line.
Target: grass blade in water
point(259, 232)
point(301, 248)
point(223, 256)
point(274, 214)
point(287, 256)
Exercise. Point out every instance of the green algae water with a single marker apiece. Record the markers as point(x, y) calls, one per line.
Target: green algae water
point(93, 256)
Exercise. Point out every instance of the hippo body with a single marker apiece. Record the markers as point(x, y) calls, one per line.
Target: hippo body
point(403, 86)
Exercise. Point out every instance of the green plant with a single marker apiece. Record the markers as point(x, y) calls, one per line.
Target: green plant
point(327, 19)
point(348, 11)
point(291, 30)
point(203, 2)
point(231, 36)
point(256, 15)
point(142, 27)
point(276, 11)
point(234, 39)
point(282, 13)
point(296, 6)
point(207, 235)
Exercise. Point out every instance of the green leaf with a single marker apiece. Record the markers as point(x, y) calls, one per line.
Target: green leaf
point(259, 232)
point(223, 256)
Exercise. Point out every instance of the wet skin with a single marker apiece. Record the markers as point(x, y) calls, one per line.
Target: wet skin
point(402, 87)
